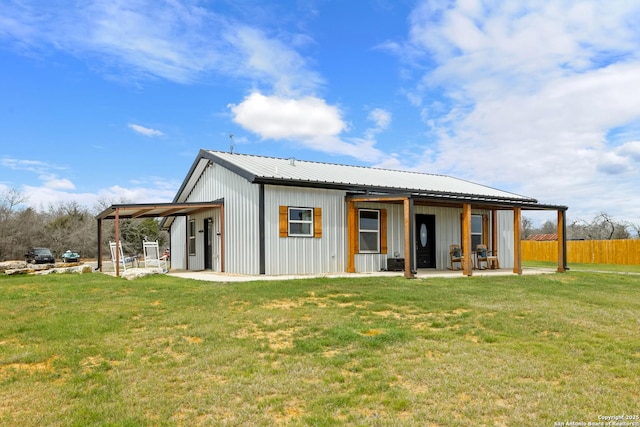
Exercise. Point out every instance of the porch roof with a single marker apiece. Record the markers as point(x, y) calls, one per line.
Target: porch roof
point(155, 210)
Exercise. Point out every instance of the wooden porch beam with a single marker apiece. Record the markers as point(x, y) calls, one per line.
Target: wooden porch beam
point(378, 199)
point(351, 236)
point(517, 242)
point(494, 231)
point(467, 262)
point(408, 246)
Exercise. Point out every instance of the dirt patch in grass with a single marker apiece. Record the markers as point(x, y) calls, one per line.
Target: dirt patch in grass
point(31, 368)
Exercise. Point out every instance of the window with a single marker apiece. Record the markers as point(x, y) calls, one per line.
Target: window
point(192, 237)
point(369, 231)
point(300, 222)
point(476, 231)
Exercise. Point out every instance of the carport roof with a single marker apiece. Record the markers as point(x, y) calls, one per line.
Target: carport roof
point(156, 210)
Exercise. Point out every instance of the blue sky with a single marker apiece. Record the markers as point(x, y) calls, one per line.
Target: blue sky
point(110, 100)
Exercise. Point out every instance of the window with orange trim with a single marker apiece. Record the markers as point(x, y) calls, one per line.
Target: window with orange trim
point(300, 222)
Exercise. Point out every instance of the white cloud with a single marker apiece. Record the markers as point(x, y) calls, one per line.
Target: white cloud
point(524, 95)
point(630, 149)
point(144, 130)
point(308, 120)
point(54, 183)
point(141, 39)
point(381, 118)
point(274, 117)
point(26, 165)
point(271, 60)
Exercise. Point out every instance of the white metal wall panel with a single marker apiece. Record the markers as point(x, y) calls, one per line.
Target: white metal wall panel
point(178, 238)
point(240, 217)
point(505, 239)
point(305, 255)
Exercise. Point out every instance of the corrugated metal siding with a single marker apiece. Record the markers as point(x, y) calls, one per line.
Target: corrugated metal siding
point(305, 255)
point(505, 239)
point(178, 238)
point(240, 216)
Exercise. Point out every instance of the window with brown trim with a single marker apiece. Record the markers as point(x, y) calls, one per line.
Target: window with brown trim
point(369, 231)
point(300, 222)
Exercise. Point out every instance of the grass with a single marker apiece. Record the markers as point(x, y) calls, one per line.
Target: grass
point(611, 268)
point(95, 350)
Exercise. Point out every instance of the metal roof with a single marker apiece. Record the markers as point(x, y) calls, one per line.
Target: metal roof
point(281, 171)
point(155, 210)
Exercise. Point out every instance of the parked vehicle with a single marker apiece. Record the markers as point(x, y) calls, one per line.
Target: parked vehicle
point(69, 256)
point(40, 256)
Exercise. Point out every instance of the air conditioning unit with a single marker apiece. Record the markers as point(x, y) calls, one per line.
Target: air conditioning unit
point(395, 264)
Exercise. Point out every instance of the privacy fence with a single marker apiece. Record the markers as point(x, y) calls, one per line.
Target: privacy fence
point(585, 251)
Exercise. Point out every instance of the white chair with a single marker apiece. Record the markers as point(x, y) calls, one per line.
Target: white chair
point(123, 260)
point(152, 256)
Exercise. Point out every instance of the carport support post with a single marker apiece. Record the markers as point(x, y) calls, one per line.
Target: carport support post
point(99, 245)
point(517, 242)
point(467, 263)
point(117, 242)
point(562, 240)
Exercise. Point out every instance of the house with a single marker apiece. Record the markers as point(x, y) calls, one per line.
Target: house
point(543, 237)
point(247, 214)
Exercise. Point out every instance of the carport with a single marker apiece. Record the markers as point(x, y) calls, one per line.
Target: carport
point(153, 210)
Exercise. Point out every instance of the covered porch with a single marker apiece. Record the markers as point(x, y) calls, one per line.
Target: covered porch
point(463, 205)
point(155, 210)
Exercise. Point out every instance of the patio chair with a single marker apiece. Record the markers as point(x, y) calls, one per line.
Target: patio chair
point(152, 256)
point(489, 258)
point(123, 260)
point(455, 255)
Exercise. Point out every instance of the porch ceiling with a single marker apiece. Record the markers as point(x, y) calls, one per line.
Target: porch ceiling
point(156, 210)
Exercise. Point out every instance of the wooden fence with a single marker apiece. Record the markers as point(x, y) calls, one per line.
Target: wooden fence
point(585, 251)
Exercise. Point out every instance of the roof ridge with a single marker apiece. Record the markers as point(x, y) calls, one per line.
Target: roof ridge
point(338, 164)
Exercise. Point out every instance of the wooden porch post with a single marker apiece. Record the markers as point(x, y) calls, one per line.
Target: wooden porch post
point(517, 244)
point(494, 231)
point(561, 242)
point(467, 263)
point(351, 236)
point(408, 247)
point(118, 242)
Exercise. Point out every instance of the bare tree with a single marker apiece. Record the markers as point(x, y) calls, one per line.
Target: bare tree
point(526, 227)
point(601, 227)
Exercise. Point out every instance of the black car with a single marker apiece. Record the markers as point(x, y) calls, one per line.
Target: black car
point(40, 256)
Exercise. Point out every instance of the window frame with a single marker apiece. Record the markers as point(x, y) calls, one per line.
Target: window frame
point(477, 236)
point(309, 222)
point(192, 237)
point(377, 232)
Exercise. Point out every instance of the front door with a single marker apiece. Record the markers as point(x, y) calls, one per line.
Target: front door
point(425, 241)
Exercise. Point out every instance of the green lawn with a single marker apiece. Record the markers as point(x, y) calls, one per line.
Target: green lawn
point(611, 268)
point(515, 350)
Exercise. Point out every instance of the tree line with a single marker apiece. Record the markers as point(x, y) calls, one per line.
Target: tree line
point(67, 226)
point(600, 227)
